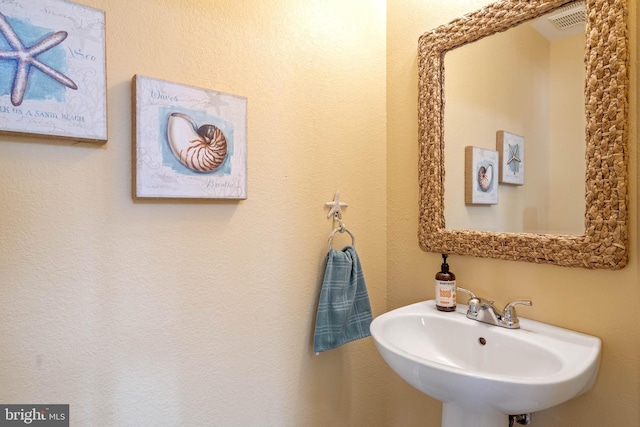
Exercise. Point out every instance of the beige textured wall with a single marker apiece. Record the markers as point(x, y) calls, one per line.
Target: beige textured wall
point(600, 303)
point(201, 313)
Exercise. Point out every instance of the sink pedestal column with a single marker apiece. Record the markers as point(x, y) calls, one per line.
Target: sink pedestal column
point(457, 416)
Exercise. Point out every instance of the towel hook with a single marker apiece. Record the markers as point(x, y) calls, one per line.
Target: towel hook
point(336, 211)
point(336, 207)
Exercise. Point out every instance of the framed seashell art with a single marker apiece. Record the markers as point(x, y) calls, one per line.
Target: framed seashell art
point(481, 176)
point(52, 70)
point(188, 142)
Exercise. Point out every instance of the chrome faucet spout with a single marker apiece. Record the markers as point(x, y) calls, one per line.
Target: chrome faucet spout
point(484, 311)
point(487, 313)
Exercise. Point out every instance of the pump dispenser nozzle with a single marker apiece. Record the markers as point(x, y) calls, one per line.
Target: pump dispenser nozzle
point(444, 268)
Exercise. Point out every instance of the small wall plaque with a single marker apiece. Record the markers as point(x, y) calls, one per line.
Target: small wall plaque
point(481, 176)
point(52, 70)
point(189, 142)
point(511, 150)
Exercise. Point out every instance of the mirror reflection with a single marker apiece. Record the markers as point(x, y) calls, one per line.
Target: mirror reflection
point(526, 83)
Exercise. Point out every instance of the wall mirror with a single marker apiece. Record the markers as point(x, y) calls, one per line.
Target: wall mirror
point(447, 153)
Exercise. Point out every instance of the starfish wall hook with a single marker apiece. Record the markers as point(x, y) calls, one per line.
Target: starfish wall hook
point(336, 207)
point(26, 57)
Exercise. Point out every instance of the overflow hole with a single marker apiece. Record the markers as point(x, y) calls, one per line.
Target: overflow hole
point(482, 341)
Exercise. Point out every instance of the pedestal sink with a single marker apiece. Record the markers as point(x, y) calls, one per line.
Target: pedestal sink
point(484, 373)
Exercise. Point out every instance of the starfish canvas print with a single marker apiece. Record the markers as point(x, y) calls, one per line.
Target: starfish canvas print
point(189, 142)
point(511, 151)
point(52, 70)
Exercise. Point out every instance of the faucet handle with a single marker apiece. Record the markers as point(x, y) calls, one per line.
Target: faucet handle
point(466, 291)
point(473, 299)
point(475, 303)
point(509, 316)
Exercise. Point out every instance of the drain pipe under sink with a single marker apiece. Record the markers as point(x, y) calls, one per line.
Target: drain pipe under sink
point(524, 419)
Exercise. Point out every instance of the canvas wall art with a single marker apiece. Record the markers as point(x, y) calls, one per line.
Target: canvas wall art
point(52, 70)
point(511, 152)
point(189, 142)
point(481, 176)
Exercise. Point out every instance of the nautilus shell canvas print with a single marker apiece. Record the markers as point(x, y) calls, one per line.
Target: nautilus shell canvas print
point(481, 176)
point(189, 142)
point(52, 70)
point(511, 151)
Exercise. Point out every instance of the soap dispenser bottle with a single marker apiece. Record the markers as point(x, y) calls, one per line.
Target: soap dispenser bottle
point(445, 287)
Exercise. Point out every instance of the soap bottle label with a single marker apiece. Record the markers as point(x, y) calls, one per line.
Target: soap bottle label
point(446, 293)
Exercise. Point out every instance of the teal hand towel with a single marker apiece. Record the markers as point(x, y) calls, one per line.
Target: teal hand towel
point(344, 310)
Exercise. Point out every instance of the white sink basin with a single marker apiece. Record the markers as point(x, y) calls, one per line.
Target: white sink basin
point(483, 373)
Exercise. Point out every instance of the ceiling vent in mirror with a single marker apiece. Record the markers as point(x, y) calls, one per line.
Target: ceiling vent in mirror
point(566, 21)
point(568, 16)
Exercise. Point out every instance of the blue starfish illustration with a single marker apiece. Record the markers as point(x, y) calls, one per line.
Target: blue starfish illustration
point(514, 158)
point(26, 58)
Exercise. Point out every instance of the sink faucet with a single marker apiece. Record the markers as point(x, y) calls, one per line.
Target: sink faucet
point(484, 311)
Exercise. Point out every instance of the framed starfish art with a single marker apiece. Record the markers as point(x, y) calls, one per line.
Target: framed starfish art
point(52, 70)
point(511, 150)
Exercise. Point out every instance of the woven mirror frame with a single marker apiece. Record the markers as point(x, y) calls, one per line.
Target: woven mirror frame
point(604, 244)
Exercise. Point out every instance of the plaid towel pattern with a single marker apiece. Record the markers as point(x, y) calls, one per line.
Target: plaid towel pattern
point(344, 310)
